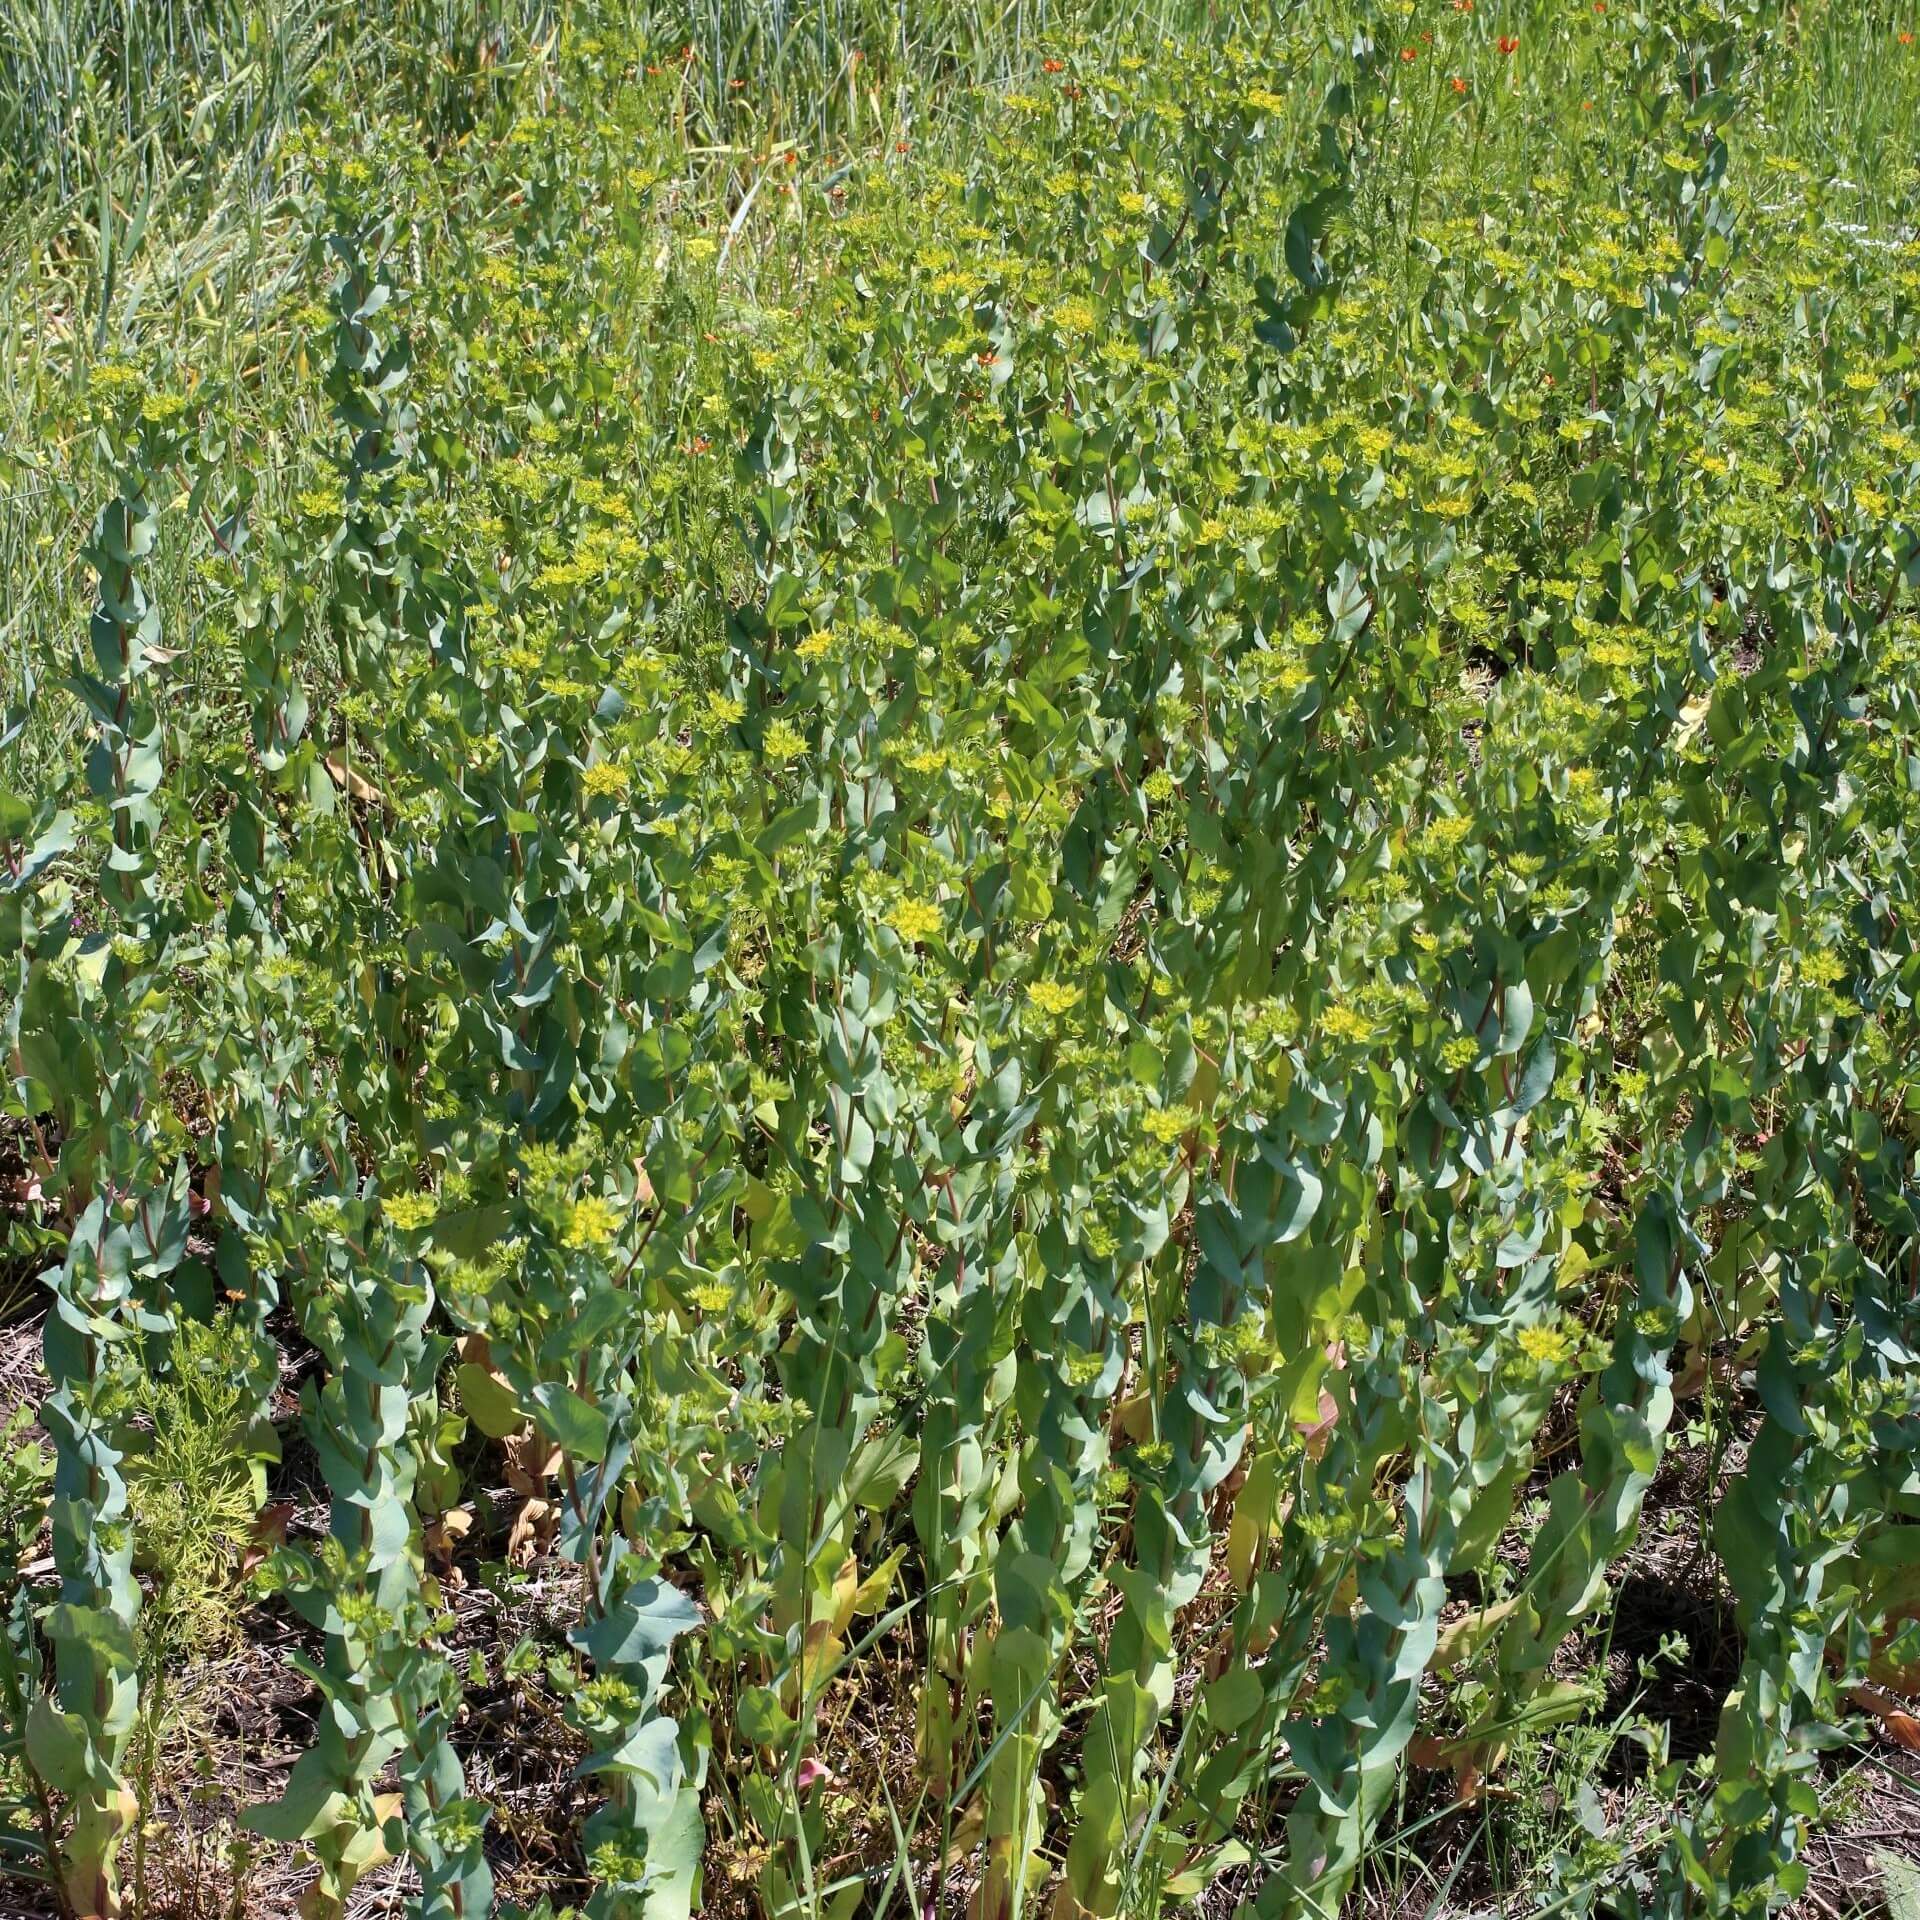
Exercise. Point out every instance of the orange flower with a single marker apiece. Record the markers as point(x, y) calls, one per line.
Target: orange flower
point(1459, 85)
point(1509, 42)
point(1463, 6)
point(1906, 39)
point(1053, 66)
point(1409, 53)
point(903, 146)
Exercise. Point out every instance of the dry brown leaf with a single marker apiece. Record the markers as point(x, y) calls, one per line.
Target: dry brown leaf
point(536, 1522)
point(355, 786)
point(269, 1531)
point(1896, 1719)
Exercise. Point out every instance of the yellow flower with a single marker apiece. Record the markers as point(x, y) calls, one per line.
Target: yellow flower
point(1053, 998)
point(1441, 836)
point(1341, 1022)
point(591, 1222)
point(1167, 1124)
point(816, 645)
point(783, 741)
point(320, 503)
point(1545, 1345)
point(605, 779)
point(916, 920)
point(114, 376)
point(409, 1212)
point(1075, 316)
point(1822, 967)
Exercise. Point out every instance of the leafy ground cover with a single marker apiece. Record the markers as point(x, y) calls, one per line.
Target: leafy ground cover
point(961, 965)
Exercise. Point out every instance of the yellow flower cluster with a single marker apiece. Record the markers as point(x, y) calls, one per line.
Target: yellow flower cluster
point(590, 1222)
point(1545, 1346)
point(1053, 998)
point(409, 1212)
point(916, 920)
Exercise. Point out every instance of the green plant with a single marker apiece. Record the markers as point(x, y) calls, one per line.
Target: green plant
point(1061, 894)
point(193, 1485)
point(29, 1843)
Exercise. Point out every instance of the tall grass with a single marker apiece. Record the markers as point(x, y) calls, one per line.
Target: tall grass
point(141, 214)
point(141, 180)
point(808, 66)
point(81, 78)
point(1845, 90)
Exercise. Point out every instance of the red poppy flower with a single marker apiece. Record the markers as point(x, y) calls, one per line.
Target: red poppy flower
point(1509, 42)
